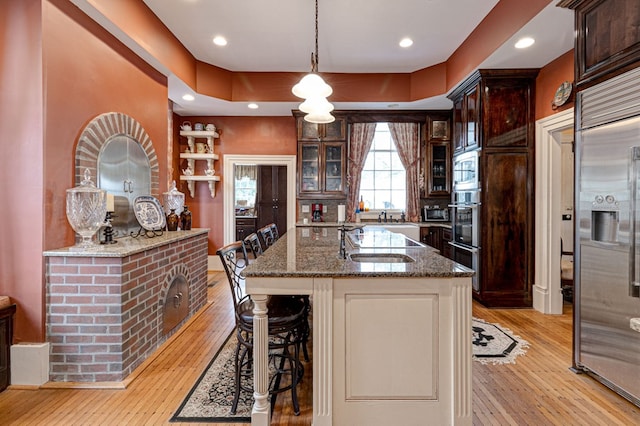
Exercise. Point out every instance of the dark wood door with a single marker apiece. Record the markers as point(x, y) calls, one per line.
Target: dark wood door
point(272, 197)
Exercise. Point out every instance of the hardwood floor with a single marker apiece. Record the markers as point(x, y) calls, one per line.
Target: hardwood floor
point(538, 390)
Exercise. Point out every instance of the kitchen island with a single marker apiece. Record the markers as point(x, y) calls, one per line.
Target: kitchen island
point(391, 326)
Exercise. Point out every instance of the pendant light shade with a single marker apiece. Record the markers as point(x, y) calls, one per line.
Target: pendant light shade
point(316, 104)
point(319, 117)
point(312, 85)
point(313, 89)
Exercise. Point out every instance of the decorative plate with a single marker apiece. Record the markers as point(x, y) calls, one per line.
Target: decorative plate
point(562, 94)
point(149, 213)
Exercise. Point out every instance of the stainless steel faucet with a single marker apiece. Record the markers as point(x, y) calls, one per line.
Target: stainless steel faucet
point(343, 231)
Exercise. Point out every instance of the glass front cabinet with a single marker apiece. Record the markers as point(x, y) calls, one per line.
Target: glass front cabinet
point(437, 157)
point(321, 169)
point(322, 152)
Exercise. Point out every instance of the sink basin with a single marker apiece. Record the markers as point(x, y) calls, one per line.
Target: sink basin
point(381, 258)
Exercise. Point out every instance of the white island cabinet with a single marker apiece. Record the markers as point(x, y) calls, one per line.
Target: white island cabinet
point(391, 340)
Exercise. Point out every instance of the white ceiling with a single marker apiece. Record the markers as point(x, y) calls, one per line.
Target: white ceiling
point(355, 36)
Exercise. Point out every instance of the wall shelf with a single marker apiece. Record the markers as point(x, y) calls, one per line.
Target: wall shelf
point(192, 156)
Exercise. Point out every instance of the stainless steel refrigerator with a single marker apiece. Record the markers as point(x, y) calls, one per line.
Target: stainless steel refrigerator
point(607, 263)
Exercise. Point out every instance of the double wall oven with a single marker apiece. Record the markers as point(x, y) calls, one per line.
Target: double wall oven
point(465, 209)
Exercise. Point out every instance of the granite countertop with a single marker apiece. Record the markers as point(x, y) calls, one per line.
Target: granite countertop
point(126, 246)
point(390, 224)
point(314, 252)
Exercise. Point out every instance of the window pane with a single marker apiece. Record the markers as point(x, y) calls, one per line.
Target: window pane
point(382, 160)
point(367, 179)
point(396, 164)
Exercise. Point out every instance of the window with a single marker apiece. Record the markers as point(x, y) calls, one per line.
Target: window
point(246, 188)
point(383, 184)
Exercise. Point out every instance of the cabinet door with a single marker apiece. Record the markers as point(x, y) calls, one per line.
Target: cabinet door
point(438, 169)
point(312, 132)
point(334, 166)
point(309, 168)
point(336, 131)
point(508, 229)
point(446, 247)
point(308, 131)
point(459, 132)
point(506, 117)
point(472, 116)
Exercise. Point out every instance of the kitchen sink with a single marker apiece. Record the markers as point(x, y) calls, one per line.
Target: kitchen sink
point(381, 258)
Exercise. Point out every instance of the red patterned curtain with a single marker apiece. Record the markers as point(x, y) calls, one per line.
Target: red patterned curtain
point(361, 137)
point(406, 136)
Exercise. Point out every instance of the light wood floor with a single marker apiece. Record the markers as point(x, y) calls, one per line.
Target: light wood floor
point(538, 390)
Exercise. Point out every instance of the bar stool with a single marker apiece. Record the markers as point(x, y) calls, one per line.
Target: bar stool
point(252, 242)
point(274, 231)
point(267, 236)
point(286, 325)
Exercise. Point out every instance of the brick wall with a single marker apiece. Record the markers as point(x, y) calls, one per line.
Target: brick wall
point(104, 314)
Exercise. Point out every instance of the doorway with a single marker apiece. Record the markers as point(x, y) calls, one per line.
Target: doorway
point(550, 133)
point(288, 162)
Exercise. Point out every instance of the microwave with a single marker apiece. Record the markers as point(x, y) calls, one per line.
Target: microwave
point(465, 171)
point(435, 214)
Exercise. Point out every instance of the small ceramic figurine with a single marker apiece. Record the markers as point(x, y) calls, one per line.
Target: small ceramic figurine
point(209, 172)
point(186, 126)
point(187, 171)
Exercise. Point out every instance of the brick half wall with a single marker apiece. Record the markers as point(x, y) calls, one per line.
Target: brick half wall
point(105, 314)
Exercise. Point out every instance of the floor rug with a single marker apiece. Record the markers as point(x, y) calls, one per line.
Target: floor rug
point(493, 344)
point(209, 401)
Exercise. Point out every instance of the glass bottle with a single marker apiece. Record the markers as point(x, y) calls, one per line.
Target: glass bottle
point(172, 221)
point(185, 219)
point(361, 205)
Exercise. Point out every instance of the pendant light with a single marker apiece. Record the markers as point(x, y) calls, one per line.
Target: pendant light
point(313, 89)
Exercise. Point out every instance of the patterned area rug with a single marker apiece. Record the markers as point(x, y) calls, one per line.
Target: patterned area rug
point(209, 401)
point(211, 397)
point(493, 344)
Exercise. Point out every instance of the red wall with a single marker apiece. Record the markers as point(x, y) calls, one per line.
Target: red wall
point(549, 79)
point(238, 135)
point(64, 71)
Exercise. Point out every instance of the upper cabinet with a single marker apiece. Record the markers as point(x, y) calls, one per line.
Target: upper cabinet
point(466, 109)
point(437, 156)
point(607, 39)
point(313, 132)
point(494, 109)
point(322, 153)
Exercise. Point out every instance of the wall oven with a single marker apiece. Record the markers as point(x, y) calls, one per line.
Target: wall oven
point(466, 218)
point(465, 171)
point(466, 229)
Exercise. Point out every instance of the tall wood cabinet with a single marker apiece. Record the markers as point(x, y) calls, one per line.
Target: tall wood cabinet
point(322, 154)
point(494, 113)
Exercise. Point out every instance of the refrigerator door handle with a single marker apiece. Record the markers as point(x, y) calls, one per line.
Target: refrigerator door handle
point(634, 176)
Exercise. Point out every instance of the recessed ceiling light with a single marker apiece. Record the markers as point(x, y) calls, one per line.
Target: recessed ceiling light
point(406, 42)
point(220, 41)
point(253, 106)
point(524, 42)
point(188, 97)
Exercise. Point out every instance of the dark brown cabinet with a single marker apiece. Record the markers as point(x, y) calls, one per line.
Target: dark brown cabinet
point(437, 156)
point(312, 132)
point(271, 200)
point(502, 119)
point(431, 236)
point(437, 237)
point(607, 38)
point(244, 227)
point(321, 159)
point(6, 337)
point(466, 126)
